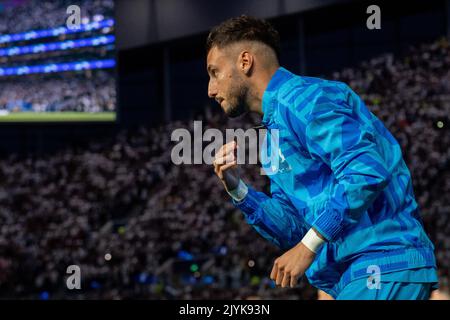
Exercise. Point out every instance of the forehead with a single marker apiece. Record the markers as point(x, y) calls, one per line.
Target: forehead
point(215, 56)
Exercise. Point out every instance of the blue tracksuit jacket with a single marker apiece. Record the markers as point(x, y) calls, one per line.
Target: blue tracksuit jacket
point(340, 171)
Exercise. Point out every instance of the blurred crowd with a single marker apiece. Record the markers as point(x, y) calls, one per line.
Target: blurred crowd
point(26, 15)
point(86, 91)
point(140, 227)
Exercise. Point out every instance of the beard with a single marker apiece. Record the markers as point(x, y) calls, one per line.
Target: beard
point(237, 105)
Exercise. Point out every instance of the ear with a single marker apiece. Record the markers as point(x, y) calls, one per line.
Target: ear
point(245, 62)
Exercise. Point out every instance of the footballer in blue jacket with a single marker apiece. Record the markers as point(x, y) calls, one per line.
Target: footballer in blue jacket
point(343, 208)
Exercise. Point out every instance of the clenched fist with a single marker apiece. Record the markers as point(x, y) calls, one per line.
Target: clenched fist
point(225, 164)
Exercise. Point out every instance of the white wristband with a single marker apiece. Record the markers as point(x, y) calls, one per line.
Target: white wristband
point(240, 192)
point(312, 241)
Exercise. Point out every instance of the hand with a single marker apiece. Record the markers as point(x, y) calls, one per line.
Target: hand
point(292, 265)
point(225, 163)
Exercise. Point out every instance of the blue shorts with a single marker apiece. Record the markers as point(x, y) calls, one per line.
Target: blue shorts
point(403, 285)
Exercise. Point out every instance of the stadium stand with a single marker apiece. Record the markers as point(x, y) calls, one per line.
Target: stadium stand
point(40, 57)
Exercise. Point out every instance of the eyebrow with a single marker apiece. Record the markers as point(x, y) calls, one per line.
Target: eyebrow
point(210, 67)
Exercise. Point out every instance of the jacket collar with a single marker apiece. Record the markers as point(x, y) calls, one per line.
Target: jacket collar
point(270, 96)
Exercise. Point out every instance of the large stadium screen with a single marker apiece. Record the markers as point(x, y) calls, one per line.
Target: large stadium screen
point(57, 60)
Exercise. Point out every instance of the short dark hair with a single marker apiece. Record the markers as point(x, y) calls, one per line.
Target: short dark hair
point(243, 28)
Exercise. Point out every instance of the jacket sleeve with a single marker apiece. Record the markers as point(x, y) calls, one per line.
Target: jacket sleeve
point(273, 217)
point(343, 140)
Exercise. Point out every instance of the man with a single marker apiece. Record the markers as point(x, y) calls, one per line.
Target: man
point(344, 208)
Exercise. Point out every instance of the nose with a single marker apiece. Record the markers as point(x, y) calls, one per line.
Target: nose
point(212, 89)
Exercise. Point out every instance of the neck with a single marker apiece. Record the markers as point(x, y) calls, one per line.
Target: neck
point(258, 89)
